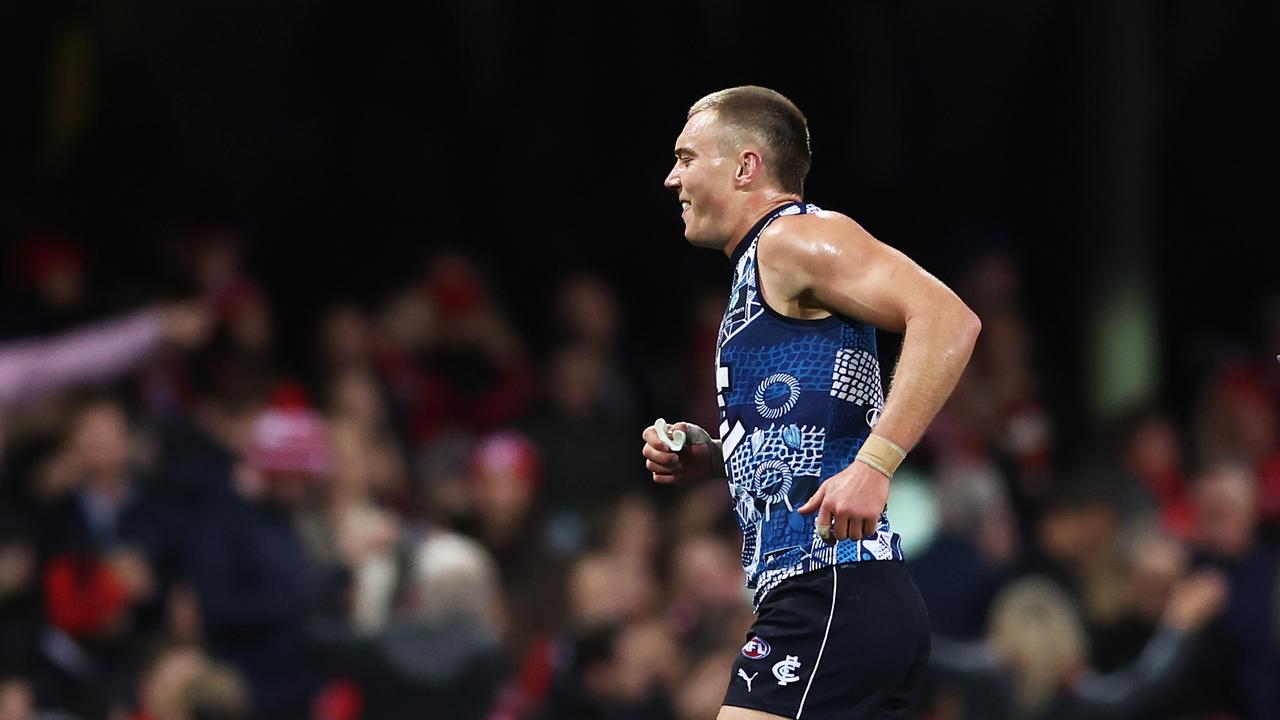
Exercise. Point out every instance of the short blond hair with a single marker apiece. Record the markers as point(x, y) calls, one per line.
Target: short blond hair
point(774, 121)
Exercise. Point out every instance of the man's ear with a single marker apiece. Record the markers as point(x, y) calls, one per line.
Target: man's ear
point(750, 167)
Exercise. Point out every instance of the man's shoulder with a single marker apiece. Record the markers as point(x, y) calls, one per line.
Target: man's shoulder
point(817, 224)
point(807, 237)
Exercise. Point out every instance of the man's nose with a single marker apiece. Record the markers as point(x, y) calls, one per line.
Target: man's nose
point(673, 180)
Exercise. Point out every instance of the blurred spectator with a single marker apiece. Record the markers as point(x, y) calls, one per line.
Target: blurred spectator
point(505, 475)
point(248, 564)
point(349, 533)
point(701, 693)
point(356, 402)
point(214, 260)
point(31, 370)
point(604, 589)
point(242, 360)
point(442, 479)
point(1033, 663)
point(618, 673)
point(50, 268)
point(695, 386)
point(109, 543)
point(993, 282)
point(1237, 418)
point(586, 450)
point(18, 702)
point(346, 339)
point(1077, 535)
point(997, 413)
point(1148, 565)
point(21, 607)
point(587, 313)
point(181, 683)
point(973, 553)
point(1151, 451)
point(1240, 673)
point(708, 605)
point(293, 545)
point(453, 359)
point(633, 535)
point(504, 478)
point(441, 651)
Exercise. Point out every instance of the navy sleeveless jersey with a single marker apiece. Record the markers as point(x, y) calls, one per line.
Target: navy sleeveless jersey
point(797, 399)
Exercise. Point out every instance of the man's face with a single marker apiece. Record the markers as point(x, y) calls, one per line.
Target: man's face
point(704, 179)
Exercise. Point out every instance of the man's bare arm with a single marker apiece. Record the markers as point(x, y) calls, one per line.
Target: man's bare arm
point(826, 261)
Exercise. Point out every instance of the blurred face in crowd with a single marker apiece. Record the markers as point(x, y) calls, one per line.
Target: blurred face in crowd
point(63, 286)
point(1156, 564)
point(357, 398)
point(1154, 453)
point(704, 177)
point(1006, 347)
point(1252, 419)
point(646, 659)
point(100, 439)
point(346, 337)
point(700, 693)
point(161, 688)
point(411, 322)
point(251, 327)
point(291, 490)
point(993, 284)
point(17, 700)
point(460, 296)
point(1226, 510)
point(634, 531)
point(608, 589)
point(1076, 537)
point(588, 310)
point(706, 572)
point(1239, 420)
point(352, 460)
point(502, 493)
point(217, 263)
point(1035, 631)
point(576, 378)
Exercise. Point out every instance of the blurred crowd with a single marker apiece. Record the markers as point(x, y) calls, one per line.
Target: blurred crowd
point(438, 515)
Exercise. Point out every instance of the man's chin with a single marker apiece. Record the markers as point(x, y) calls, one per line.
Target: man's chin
point(702, 242)
point(692, 236)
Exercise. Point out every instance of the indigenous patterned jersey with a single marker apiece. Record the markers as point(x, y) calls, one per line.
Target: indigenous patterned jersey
point(797, 399)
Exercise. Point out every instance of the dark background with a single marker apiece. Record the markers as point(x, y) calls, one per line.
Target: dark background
point(345, 139)
point(1117, 428)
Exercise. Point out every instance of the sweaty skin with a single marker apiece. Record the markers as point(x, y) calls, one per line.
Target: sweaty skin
point(818, 264)
point(812, 266)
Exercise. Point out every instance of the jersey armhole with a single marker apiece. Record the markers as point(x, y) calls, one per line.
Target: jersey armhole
point(764, 302)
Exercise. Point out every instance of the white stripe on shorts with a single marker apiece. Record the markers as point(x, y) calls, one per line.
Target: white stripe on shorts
point(825, 633)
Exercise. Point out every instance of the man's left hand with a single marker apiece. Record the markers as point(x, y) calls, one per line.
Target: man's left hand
point(855, 497)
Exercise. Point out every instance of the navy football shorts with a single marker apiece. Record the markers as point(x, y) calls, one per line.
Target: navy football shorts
point(843, 643)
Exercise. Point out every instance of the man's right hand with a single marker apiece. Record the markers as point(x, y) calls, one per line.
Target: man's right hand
point(692, 464)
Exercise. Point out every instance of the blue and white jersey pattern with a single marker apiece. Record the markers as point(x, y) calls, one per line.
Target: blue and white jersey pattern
point(797, 399)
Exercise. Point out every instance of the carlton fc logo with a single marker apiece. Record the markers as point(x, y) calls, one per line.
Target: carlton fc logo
point(785, 670)
point(756, 648)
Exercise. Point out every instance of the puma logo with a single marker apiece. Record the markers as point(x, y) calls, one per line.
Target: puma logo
point(743, 674)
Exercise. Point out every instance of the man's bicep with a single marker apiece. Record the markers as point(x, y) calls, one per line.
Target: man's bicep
point(860, 277)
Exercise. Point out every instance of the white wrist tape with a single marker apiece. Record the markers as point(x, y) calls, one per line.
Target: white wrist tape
point(676, 439)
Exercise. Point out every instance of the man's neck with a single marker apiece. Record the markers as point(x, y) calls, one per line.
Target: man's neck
point(768, 203)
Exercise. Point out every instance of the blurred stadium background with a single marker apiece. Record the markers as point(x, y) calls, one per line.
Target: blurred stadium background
point(329, 330)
